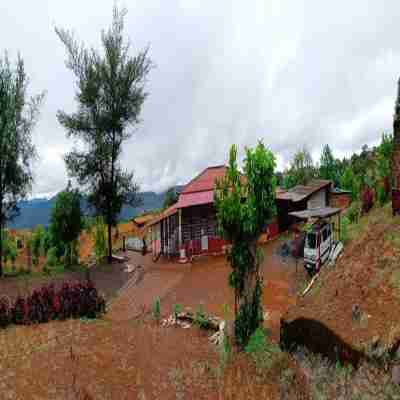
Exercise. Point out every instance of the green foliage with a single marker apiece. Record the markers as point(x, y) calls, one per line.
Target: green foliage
point(329, 167)
point(243, 208)
point(38, 237)
point(344, 229)
point(200, 318)
point(18, 115)
point(354, 212)
point(301, 170)
point(99, 239)
point(52, 258)
point(348, 181)
point(171, 197)
point(384, 154)
point(381, 195)
point(110, 94)
point(156, 309)
point(66, 223)
point(177, 309)
point(262, 351)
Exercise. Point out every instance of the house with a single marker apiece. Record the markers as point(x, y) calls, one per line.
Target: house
point(301, 197)
point(191, 222)
point(339, 198)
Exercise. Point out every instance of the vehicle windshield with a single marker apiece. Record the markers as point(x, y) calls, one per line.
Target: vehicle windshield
point(311, 240)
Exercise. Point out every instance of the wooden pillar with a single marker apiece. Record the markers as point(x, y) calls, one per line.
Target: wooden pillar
point(180, 228)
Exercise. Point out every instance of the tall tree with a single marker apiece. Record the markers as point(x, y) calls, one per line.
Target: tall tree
point(18, 115)
point(396, 155)
point(301, 170)
point(171, 197)
point(66, 222)
point(244, 208)
point(110, 95)
point(329, 167)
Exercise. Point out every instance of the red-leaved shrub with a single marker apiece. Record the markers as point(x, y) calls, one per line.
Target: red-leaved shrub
point(72, 300)
point(5, 312)
point(367, 199)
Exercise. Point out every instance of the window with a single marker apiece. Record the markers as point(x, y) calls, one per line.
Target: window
point(312, 240)
point(325, 234)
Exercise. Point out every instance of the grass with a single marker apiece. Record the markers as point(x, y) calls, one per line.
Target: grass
point(395, 282)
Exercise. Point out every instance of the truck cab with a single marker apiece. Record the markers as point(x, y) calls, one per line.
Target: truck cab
point(317, 247)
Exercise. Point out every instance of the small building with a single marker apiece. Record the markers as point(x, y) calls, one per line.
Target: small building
point(191, 222)
point(301, 197)
point(339, 198)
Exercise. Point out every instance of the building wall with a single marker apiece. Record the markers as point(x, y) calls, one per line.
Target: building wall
point(317, 199)
point(339, 200)
point(198, 221)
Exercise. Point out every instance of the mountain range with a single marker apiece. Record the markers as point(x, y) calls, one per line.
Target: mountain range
point(37, 211)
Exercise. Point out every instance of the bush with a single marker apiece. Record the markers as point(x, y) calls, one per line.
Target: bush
point(382, 195)
point(344, 231)
point(5, 312)
point(200, 318)
point(263, 352)
point(73, 300)
point(156, 309)
point(354, 212)
point(177, 309)
point(367, 200)
point(52, 257)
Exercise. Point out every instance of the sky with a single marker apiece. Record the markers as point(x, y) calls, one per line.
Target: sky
point(291, 73)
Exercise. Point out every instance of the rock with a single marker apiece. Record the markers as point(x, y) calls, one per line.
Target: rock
point(396, 374)
point(355, 313)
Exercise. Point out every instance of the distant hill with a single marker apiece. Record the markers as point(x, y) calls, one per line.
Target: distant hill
point(37, 211)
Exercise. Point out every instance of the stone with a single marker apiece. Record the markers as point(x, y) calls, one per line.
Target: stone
point(356, 312)
point(396, 374)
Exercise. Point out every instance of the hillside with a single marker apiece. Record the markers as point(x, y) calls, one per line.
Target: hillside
point(353, 302)
point(37, 211)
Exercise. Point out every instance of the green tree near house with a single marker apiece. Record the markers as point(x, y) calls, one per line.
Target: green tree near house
point(18, 115)
point(301, 170)
point(110, 94)
point(329, 167)
point(38, 237)
point(171, 197)
point(243, 208)
point(66, 223)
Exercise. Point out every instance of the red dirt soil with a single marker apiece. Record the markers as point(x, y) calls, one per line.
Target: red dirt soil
point(124, 356)
point(362, 276)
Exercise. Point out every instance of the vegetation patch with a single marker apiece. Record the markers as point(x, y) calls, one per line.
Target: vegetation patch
point(72, 300)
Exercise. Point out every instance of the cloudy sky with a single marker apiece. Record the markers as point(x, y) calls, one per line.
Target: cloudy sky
point(292, 73)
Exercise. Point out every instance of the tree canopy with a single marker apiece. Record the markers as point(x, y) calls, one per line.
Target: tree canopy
point(18, 115)
point(245, 204)
point(110, 94)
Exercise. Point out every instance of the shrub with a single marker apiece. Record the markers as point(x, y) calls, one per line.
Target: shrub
point(5, 312)
point(156, 309)
point(73, 300)
point(263, 352)
point(367, 199)
point(177, 309)
point(52, 257)
point(382, 196)
point(353, 213)
point(344, 231)
point(200, 318)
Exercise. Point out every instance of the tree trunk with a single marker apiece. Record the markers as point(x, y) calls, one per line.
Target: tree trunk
point(1, 250)
point(396, 156)
point(109, 244)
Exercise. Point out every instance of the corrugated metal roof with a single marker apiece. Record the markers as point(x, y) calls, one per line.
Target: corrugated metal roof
point(165, 214)
point(195, 199)
point(323, 212)
point(205, 181)
point(301, 192)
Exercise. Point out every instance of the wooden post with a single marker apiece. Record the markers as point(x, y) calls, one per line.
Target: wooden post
point(123, 244)
point(180, 228)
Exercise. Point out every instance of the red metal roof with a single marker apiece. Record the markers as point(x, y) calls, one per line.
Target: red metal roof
point(205, 181)
point(195, 199)
point(166, 213)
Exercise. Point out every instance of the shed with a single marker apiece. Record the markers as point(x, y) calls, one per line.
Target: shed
point(301, 197)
